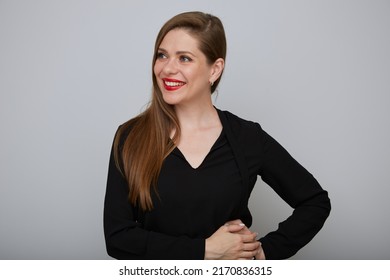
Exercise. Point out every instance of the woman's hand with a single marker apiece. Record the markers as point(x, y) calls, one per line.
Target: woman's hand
point(260, 254)
point(232, 241)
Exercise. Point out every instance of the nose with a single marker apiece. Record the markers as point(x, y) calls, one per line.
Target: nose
point(170, 67)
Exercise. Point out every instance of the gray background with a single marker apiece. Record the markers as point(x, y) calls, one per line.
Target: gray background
point(315, 74)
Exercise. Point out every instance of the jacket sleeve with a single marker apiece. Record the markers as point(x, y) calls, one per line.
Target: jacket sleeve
point(297, 187)
point(125, 237)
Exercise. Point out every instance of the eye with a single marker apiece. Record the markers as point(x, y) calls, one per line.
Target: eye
point(161, 55)
point(185, 58)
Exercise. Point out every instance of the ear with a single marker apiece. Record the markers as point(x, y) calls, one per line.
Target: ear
point(216, 69)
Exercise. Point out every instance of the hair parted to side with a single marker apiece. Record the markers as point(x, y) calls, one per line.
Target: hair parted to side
point(142, 143)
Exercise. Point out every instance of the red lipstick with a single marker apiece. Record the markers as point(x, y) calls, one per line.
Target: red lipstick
point(172, 84)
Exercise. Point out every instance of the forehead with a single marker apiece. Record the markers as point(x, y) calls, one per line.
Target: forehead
point(179, 40)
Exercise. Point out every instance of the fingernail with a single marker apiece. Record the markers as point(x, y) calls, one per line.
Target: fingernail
point(243, 225)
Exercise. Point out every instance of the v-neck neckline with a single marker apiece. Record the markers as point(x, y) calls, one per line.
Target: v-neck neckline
point(218, 143)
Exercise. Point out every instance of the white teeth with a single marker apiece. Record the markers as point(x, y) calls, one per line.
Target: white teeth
point(173, 84)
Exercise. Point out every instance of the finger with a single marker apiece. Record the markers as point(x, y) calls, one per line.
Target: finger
point(234, 227)
point(247, 255)
point(245, 230)
point(234, 222)
point(248, 238)
point(251, 246)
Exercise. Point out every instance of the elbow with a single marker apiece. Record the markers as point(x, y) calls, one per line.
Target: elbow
point(110, 248)
point(327, 204)
point(126, 244)
point(115, 252)
point(323, 204)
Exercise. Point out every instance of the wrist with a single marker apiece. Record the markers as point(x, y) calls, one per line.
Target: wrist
point(208, 251)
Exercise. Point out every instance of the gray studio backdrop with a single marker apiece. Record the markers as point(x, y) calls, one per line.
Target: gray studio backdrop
point(314, 74)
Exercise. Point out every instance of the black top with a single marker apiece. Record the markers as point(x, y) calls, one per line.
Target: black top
point(192, 203)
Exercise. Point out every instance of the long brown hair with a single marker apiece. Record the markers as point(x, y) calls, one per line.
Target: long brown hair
point(142, 143)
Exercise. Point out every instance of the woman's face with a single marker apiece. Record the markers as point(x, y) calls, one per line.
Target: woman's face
point(181, 69)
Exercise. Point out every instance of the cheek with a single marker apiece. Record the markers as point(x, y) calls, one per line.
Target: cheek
point(197, 76)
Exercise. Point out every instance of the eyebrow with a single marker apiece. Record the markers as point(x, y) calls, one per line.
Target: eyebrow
point(178, 52)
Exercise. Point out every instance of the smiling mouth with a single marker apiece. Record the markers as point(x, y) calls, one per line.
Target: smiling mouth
point(171, 84)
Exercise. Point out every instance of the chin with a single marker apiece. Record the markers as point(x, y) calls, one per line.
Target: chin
point(170, 101)
point(172, 98)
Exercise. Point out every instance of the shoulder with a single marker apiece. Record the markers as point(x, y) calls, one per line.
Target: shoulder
point(246, 137)
point(238, 124)
point(247, 134)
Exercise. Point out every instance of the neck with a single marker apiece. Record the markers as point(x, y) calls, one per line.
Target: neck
point(197, 116)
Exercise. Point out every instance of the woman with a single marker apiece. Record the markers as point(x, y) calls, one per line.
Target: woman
point(181, 173)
